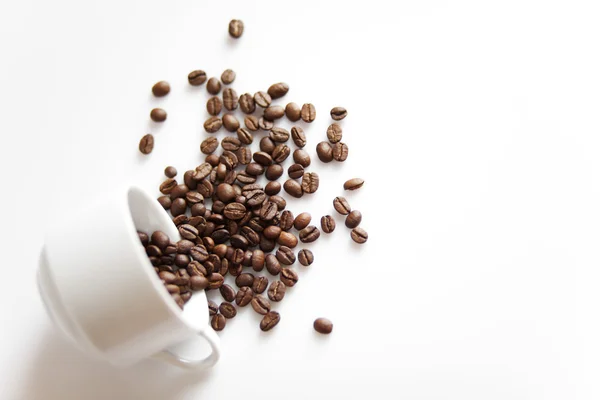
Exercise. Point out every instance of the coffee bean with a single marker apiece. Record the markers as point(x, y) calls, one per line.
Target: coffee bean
point(273, 112)
point(160, 239)
point(268, 211)
point(293, 188)
point(235, 269)
point(214, 105)
point(247, 104)
point(272, 264)
point(197, 77)
point(230, 99)
point(165, 202)
point(359, 235)
point(239, 241)
point(213, 308)
point(153, 251)
point(213, 124)
point(323, 325)
point(228, 76)
point(325, 152)
point(262, 158)
point(274, 172)
point(244, 136)
point(161, 89)
point(285, 255)
point(218, 322)
point(188, 232)
point(341, 205)
point(146, 144)
point(178, 207)
point(265, 124)
point(230, 143)
point(286, 221)
point(244, 296)
point(280, 201)
point(289, 277)
point(198, 282)
point(310, 182)
point(327, 223)
point(144, 239)
point(309, 234)
point(182, 277)
point(334, 133)
point(236, 28)
point(276, 291)
point(158, 115)
point(251, 123)
point(302, 220)
point(215, 280)
point(213, 86)
point(205, 188)
point(170, 172)
point(338, 113)
point(167, 277)
point(279, 135)
point(353, 184)
point(179, 191)
point(269, 321)
point(260, 304)
point(272, 188)
point(212, 159)
point(305, 257)
point(180, 220)
point(272, 232)
point(262, 99)
point(244, 279)
point(280, 153)
point(287, 239)
point(292, 111)
point(298, 136)
point(184, 246)
point(230, 122)
point(301, 157)
point(278, 90)
point(229, 159)
point(227, 310)
point(193, 197)
point(260, 284)
point(255, 169)
point(227, 292)
point(308, 112)
point(202, 171)
point(199, 253)
point(340, 151)
point(173, 289)
point(353, 219)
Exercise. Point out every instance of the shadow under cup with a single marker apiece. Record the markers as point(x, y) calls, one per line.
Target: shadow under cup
point(101, 290)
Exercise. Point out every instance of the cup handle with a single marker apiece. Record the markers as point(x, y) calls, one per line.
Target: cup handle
point(213, 340)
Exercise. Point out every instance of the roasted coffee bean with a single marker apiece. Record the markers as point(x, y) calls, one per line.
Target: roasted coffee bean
point(209, 244)
point(220, 235)
point(244, 155)
point(273, 113)
point(244, 296)
point(165, 202)
point(298, 136)
point(334, 133)
point(236, 28)
point(198, 209)
point(213, 124)
point(179, 191)
point(197, 77)
point(260, 284)
point(353, 184)
point(251, 236)
point(353, 219)
point(286, 221)
point(146, 144)
point(272, 188)
point(247, 258)
point(172, 289)
point(170, 249)
point(247, 104)
point(285, 255)
point(215, 280)
point(218, 322)
point(289, 277)
point(227, 292)
point(341, 205)
point(255, 169)
point(167, 277)
point(268, 211)
point(160, 239)
point(214, 105)
point(262, 158)
point(323, 325)
point(225, 192)
point(143, 238)
point(302, 220)
point(258, 260)
point(251, 123)
point(308, 112)
point(184, 246)
point(305, 257)
point(188, 179)
point(262, 99)
point(235, 269)
point(170, 172)
point(266, 245)
point(239, 241)
point(359, 235)
point(293, 188)
point(182, 278)
point(301, 157)
point(230, 99)
point(272, 232)
point(287, 239)
point(278, 90)
point(209, 267)
point(202, 171)
point(158, 115)
point(309, 234)
point(244, 136)
point(340, 151)
point(193, 197)
point(161, 88)
point(231, 143)
point(325, 152)
point(292, 111)
point(199, 253)
point(212, 159)
point(260, 304)
point(180, 220)
point(280, 201)
point(338, 113)
point(228, 76)
point(265, 124)
point(272, 264)
point(213, 86)
point(205, 188)
point(188, 232)
point(230, 122)
point(186, 296)
point(280, 153)
point(266, 145)
point(213, 308)
point(327, 223)
point(274, 172)
point(229, 159)
point(178, 207)
point(198, 282)
point(244, 279)
point(255, 198)
point(276, 291)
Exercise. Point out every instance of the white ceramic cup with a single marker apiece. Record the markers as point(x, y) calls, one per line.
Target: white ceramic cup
point(101, 290)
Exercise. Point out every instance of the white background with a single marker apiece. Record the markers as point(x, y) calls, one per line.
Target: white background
point(475, 125)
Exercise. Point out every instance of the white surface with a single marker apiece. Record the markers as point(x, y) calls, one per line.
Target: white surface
point(481, 271)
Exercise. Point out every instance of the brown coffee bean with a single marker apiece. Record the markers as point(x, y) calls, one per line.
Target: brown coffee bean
point(227, 310)
point(202, 171)
point(167, 277)
point(180, 220)
point(286, 220)
point(178, 207)
point(161, 88)
point(289, 277)
point(181, 260)
point(227, 292)
point(165, 202)
point(179, 191)
point(173, 289)
point(229, 159)
point(265, 124)
point(230, 122)
point(266, 245)
point(274, 172)
point(310, 182)
point(279, 135)
point(158, 115)
point(205, 188)
point(199, 253)
point(251, 123)
point(272, 232)
point(334, 133)
point(287, 239)
point(268, 211)
point(230, 143)
point(198, 282)
point(302, 220)
point(184, 246)
point(260, 284)
point(308, 112)
point(273, 113)
point(255, 169)
point(182, 277)
point(144, 239)
point(353, 219)
point(160, 239)
point(247, 104)
point(272, 188)
point(235, 269)
point(197, 77)
point(341, 205)
point(340, 151)
point(188, 179)
point(230, 99)
point(276, 291)
point(213, 308)
point(213, 124)
point(309, 234)
point(212, 159)
point(325, 152)
point(323, 325)
point(262, 99)
point(215, 280)
point(293, 188)
point(278, 90)
point(305, 257)
point(188, 232)
point(285, 255)
point(327, 223)
point(280, 201)
point(244, 136)
point(244, 296)
point(298, 136)
point(170, 172)
point(269, 321)
point(146, 144)
point(214, 105)
point(301, 157)
point(228, 76)
point(359, 235)
point(338, 113)
point(244, 279)
point(272, 264)
point(280, 153)
point(236, 28)
point(193, 197)
point(218, 322)
point(262, 158)
point(292, 111)
point(353, 184)
point(260, 304)
point(213, 86)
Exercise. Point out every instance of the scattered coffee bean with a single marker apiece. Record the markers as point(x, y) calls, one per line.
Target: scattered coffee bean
point(292, 111)
point(228, 76)
point(272, 188)
point(262, 158)
point(165, 202)
point(178, 207)
point(279, 201)
point(247, 104)
point(197, 77)
point(227, 310)
point(179, 191)
point(302, 220)
point(308, 112)
point(227, 292)
point(260, 284)
point(161, 89)
point(279, 135)
point(230, 122)
point(146, 144)
point(213, 308)
point(218, 322)
point(231, 143)
point(213, 86)
point(341, 205)
point(334, 133)
point(213, 124)
point(244, 136)
point(276, 291)
point(293, 188)
point(260, 304)
point(287, 239)
point(280, 153)
point(160, 239)
point(285, 255)
point(271, 319)
point(188, 232)
point(338, 113)
point(244, 279)
point(143, 238)
point(278, 90)
point(170, 172)
point(327, 224)
point(265, 124)
point(298, 136)
point(230, 99)
point(214, 105)
point(325, 152)
point(198, 282)
point(340, 151)
point(289, 277)
point(262, 99)
point(305, 257)
point(244, 296)
point(273, 112)
point(158, 115)
point(295, 171)
point(323, 325)
point(353, 184)
point(274, 172)
point(251, 123)
point(309, 234)
point(236, 28)
point(272, 264)
point(359, 235)
point(215, 280)
point(353, 219)
point(286, 220)
point(310, 182)
point(301, 157)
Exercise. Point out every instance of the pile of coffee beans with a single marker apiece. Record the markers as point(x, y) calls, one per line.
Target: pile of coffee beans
point(232, 225)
